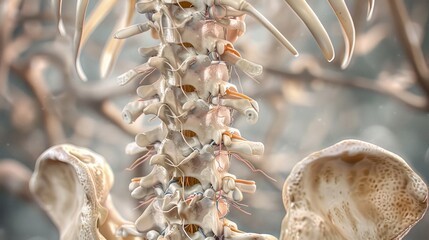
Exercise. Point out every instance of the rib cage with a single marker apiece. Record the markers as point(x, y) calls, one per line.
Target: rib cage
point(190, 183)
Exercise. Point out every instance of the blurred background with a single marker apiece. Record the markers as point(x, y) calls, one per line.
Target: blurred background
point(306, 104)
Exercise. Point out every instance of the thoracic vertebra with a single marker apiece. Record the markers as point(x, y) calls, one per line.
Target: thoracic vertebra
point(190, 184)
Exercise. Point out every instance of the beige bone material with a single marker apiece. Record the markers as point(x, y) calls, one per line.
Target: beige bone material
point(231, 232)
point(72, 185)
point(352, 190)
point(134, 110)
point(348, 28)
point(243, 106)
point(306, 14)
point(151, 137)
point(135, 74)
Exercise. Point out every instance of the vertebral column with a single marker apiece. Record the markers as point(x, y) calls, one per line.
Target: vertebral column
point(189, 190)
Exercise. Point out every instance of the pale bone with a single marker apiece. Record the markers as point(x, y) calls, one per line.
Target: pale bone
point(212, 33)
point(200, 210)
point(236, 28)
point(164, 112)
point(130, 230)
point(371, 4)
point(132, 148)
point(235, 194)
point(185, 211)
point(352, 190)
point(72, 185)
point(346, 21)
point(212, 83)
point(158, 62)
point(149, 52)
point(202, 167)
point(246, 149)
point(151, 137)
point(203, 213)
point(169, 111)
point(243, 106)
point(214, 44)
point(174, 163)
point(186, 59)
point(249, 187)
point(147, 6)
point(214, 77)
point(152, 90)
point(152, 235)
point(248, 67)
point(81, 6)
point(140, 192)
point(59, 12)
point(191, 65)
point(148, 185)
point(133, 110)
point(180, 146)
point(230, 232)
point(151, 219)
point(174, 232)
point(232, 12)
point(218, 13)
point(176, 151)
point(204, 83)
point(245, 7)
point(158, 175)
point(170, 98)
point(167, 33)
point(228, 184)
point(193, 25)
point(134, 74)
point(167, 70)
point(306, 14)
point(206, 129)
point(133, 30)
point(174, 210)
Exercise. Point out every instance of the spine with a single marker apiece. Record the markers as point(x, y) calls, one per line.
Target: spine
point(189, 190)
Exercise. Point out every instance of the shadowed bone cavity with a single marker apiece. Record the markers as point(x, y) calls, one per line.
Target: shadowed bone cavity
point(352, 190)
